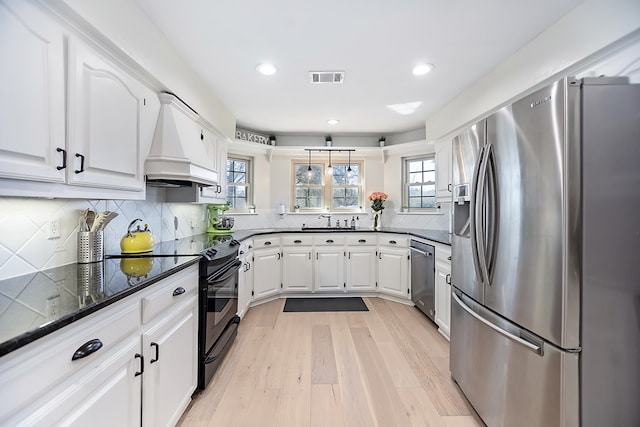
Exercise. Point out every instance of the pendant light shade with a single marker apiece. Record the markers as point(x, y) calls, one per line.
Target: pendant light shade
point(330, 168)
point(309, 171)
point(349, 171)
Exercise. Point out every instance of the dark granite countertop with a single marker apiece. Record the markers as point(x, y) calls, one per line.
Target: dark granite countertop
point(37, 304)
point(438, 236)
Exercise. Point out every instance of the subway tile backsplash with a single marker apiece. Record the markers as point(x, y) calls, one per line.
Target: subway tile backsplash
point(24, 224)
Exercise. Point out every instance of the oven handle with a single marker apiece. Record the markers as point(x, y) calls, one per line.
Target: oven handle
point(224, 275)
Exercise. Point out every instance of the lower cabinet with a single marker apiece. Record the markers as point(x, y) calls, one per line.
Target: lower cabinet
point(245, 279)
point(443, 290)
point(297, 266)
point(393, 272)
point(143, 373)
point(328, 269)
point(361, 269)
point(266, 272)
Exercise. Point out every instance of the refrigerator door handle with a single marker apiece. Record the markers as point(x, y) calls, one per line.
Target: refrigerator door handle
point(473, 214)
point(479, 215)
point(535, 348)
point(492, 212)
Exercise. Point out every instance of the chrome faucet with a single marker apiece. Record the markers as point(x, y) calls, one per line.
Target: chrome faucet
point(328, 216)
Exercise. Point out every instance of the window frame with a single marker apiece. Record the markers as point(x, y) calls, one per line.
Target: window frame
point(406, 184)
point(248, 184)
point(328, 186)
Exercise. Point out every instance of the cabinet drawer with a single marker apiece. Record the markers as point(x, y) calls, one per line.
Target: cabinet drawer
point(361, 240)
point(28, 372)
point(266, 242)
point(329, 239)
point(169, 291)
point(297, 240)
point(391, 240)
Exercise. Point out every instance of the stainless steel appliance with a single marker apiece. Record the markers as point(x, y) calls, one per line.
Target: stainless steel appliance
point(545, 323)
point(423, 277)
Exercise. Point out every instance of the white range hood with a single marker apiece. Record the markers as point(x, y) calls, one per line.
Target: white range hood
point(180, 153)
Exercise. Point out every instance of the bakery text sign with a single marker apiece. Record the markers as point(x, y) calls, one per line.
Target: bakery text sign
point(246, 135)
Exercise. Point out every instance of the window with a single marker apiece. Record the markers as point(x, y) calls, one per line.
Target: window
point(238, 183)
point(317, 190)
point(420, 182)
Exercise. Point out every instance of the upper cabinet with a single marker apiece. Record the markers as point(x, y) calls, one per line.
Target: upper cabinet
point(32, 128)
point(444, 189)
point(107, 112)
point(83, 134)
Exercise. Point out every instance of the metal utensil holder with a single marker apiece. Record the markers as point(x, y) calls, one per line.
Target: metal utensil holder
point(90, 246)
point(90, 283)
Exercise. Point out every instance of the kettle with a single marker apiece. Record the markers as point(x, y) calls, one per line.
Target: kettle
point(136, 241)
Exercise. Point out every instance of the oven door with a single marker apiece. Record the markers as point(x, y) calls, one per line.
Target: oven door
point(222, 302)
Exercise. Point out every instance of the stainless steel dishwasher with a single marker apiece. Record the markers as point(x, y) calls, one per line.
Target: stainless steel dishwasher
point(423, 278)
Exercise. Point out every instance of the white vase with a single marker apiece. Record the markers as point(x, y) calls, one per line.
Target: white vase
point(377, 220)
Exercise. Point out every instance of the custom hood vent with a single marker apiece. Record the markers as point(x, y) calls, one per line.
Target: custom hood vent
point(179, 156)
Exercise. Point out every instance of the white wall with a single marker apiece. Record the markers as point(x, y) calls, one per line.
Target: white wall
point(583, 37)
point(127, 26)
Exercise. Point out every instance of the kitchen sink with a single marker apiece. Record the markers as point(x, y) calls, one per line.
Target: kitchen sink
point(327, 229)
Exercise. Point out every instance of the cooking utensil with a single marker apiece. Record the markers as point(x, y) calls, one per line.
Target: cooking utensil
point(102, 219)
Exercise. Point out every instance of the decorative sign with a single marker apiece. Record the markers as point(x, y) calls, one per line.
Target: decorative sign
point(246, 135)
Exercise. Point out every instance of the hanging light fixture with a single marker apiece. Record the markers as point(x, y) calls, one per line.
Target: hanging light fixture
point(349, 171)
point(330, 168)
point(309, 171)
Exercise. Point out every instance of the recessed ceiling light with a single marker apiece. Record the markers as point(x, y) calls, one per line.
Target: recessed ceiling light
point(266, 69)
point(422, 69)
point(406, 108)
point(333, 121)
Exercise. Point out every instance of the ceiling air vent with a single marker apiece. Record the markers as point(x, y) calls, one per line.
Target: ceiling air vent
point(317, 77)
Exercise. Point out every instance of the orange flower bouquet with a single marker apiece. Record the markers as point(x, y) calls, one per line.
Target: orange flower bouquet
point(377, 200)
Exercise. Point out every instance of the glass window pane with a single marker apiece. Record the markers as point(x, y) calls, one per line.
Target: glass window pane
point(229, 176)
point(302, 176)
point(354, 179)
point(240, 166)
point(414, 202)
point(414, 191)
point(241, 204)
point(241, 191)
point(415, 178)
point(429, 202)
point(240, 177)
point(430, 165)
point(429, 176)
point(415, 166)
point(429, 190)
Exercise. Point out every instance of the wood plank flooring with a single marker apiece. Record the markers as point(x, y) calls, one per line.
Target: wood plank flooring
point(386, 367)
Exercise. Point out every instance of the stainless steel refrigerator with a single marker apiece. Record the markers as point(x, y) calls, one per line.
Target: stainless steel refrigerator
point(545, 317)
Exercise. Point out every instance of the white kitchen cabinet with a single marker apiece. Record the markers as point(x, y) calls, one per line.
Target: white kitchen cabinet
point(245, 278)
point(107, 108)
point(328, 269)
point(118, 383)
point(444, 168)
point(393, 271)
point(266, 272)
point(361, 269)
point(297, 267)
point(170, 352)
point(443, 290)
point(32, 121)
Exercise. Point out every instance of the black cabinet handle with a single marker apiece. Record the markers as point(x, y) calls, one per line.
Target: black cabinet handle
point(297, 241)
point(449, 188)
point(219, 191)
point(329, 241)
point(448, 279)
point(362, 241)
point(449, 257)
point(155, 344)
point(241, 253)
point(393, 242)
point(309, 255)
point(279, 255)
point(81, 163)
point(64, 158)
point(87, 348)
point(201, 136)
point(141, 357)
point(267, 243)
point(178, 291)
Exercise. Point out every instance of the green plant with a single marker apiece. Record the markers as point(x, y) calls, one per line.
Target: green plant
point(296, 206)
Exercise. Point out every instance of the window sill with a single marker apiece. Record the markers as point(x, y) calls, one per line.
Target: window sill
point(329, 212)
point(228, 213)
point(432, 212)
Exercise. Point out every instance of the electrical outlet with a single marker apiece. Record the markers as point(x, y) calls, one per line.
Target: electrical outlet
point(53, 229)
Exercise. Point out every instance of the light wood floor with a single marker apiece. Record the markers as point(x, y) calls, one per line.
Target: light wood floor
point(385, 367)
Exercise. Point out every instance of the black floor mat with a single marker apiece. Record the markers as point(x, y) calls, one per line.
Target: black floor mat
point(324, 304)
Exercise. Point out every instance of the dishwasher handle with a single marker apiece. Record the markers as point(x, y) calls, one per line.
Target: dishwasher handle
point(421, 252)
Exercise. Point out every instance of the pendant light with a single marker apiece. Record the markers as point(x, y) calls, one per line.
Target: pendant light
point(330, 168)
point(309, 171)
point(349, 171)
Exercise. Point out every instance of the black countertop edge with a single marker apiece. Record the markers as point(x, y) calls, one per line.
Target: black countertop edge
point(30, 336)
point(438, 236)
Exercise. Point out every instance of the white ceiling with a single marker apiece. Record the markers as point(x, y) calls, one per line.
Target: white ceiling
point(375, 42)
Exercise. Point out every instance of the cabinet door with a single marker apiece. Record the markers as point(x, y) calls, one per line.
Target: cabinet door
point(106, 110)
point(170, 375)
point(107, 394)
point(444, 191)
point(328, 269)
point(32, 126)
point(245, 285)
point(393, 269)
point(296, 269)
point(222, 169)
point(443, 297)
point(361, 269)
point(266, 273)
